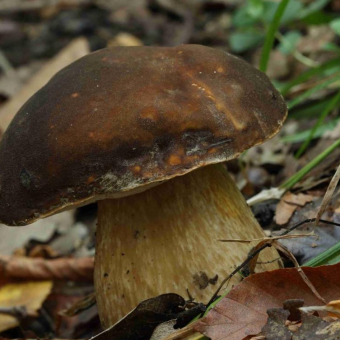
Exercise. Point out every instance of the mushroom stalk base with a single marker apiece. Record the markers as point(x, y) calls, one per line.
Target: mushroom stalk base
point(165, 240)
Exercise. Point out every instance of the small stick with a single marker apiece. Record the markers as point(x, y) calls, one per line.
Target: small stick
point(328, 196)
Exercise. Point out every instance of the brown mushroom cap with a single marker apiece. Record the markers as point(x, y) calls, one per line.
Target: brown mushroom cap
point(126, 117)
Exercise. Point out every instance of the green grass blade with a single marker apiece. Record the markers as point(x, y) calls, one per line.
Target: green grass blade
point(311, 110)
point(311, 165)
point(299, 99)
point(331, 106)
point(314, 6)
point(309, 74)
point(303, 135)
point(270, 37)
point(330, 256)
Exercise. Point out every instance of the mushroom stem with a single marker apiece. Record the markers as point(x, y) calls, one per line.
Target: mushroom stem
point(166, 240)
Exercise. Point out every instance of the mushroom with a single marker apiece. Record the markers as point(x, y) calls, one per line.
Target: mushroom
point(116, 124)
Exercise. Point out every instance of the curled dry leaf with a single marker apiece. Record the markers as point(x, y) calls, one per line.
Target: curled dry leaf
point(17, 267)
point(243, 312)
point(288, 204)
point(141, 322)
point(30, 295)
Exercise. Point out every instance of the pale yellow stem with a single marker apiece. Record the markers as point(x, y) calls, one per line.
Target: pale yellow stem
point(166, 240)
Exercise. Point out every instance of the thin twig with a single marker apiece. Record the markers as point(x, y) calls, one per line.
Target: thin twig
point(237, 240)
point(256, 252)
point(237, 269)
point(328, 196)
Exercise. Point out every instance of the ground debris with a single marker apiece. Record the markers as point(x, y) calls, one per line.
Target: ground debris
point(25, 296)
point(243, 311)
point(309, 327)
point(18, 267)
point(141, 322)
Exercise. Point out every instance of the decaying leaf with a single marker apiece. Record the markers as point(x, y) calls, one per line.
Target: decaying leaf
point(163, 330)
point(242, 312)
point(288, 204)
point(141, 322)
point(275, 328)
point(305, 249)
point(279, 325)
point(315, 328)
point(30, 295)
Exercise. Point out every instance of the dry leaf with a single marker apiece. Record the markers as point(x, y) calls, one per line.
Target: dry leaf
point(140, 323)
point(163, 330)
point(124, 39)
point(28, 294)
point(288, 204)
point(242, 312)
point(304, 277)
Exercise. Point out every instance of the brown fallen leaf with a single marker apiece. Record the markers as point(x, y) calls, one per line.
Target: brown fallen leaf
point(272, 241)
point(17, 267)
point(301, 272)
point(242, 312)
point(288, 204)
point(30, 295)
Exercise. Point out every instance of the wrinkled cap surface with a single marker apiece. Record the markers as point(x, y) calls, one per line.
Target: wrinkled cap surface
point(122, 118)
